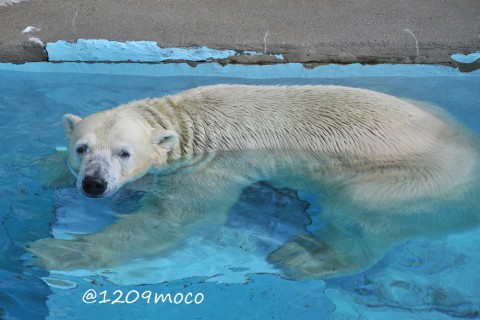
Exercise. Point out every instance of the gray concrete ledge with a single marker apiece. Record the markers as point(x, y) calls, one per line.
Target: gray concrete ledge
point(306, 31)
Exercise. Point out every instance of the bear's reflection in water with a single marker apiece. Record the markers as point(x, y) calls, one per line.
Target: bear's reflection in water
point(366, 210)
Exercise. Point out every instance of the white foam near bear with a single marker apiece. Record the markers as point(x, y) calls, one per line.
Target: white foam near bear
point(388, 169)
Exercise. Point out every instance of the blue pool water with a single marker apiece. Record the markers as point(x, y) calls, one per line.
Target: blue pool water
point(419, 279)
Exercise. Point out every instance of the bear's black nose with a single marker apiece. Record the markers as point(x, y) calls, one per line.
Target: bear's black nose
point(94, 186)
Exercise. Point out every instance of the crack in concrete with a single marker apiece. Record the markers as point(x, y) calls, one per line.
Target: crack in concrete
point(265, 43)
point(73, 21)
point(416, 41)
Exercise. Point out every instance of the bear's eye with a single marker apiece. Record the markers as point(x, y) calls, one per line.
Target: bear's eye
point(81, 149)
point(125, 154)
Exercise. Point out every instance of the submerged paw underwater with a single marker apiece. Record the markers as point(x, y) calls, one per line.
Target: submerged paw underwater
point(231, 186)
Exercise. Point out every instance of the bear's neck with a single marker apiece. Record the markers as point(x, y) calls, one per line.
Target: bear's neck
point(161, 113)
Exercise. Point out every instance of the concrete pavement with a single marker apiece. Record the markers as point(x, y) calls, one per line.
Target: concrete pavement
point(307, 31)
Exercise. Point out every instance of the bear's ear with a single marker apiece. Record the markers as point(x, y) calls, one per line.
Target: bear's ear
point(69, 122)
point(165, 139)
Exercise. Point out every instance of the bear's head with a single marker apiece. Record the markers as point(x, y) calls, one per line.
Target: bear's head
point(108, 149)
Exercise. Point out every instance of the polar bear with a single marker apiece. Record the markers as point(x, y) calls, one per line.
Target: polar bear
point(387, 169)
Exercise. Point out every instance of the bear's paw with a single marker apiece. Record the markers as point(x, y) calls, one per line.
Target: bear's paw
point(307, 257)
point(54, 254)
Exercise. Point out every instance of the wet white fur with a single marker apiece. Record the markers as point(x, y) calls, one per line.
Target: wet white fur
point(388, 167)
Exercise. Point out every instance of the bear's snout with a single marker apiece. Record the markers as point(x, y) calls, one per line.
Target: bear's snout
point(94, 186)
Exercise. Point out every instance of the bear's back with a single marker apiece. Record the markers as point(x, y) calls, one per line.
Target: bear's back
point(330, 119)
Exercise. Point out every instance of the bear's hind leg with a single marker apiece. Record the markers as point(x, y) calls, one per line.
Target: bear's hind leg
point(327, 253)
